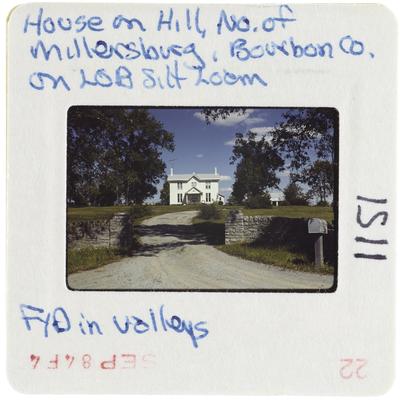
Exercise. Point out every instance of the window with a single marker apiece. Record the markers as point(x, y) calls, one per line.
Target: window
point(208, 185)
point(194, 183)
point(179, 198)
point(179, 185)
point(208, 197)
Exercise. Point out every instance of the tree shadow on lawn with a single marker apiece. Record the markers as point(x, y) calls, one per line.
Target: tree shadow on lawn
point(293, 235)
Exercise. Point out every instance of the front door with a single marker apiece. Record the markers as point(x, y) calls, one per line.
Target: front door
point(193, 198)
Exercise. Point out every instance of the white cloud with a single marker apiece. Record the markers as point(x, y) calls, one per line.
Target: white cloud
point(231, 119)
point(225, 178)
point(200, 116)
point(225, 189)
point(284, 173)
point(263, 131)
point(200, 155)
point(253, 120)
point(259, 131)
point(231, 142)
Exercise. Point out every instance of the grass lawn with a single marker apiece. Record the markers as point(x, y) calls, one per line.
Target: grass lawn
point(279, 256)
point(320, 212)
point(94, 213)
point(105, 212)
point(90, 258)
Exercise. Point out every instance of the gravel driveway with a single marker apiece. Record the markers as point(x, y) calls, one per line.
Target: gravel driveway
point(175, 257)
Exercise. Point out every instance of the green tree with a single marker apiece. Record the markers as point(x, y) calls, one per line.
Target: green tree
point(304, 134)
point(232, 200)
point(114, 153)
point(164, 193)
point(320, 179)
point(214, 113)
point(294, 195)
point(256, 165)
point(259, 201)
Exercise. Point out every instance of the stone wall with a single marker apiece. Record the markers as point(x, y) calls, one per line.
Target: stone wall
point(240, 228)
point(278, 231)
point(116, 232)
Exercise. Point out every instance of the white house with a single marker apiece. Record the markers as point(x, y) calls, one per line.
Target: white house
point(194, 188)
point(277, 198)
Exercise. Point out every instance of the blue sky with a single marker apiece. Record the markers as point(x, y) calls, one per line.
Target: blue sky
point(199, 147)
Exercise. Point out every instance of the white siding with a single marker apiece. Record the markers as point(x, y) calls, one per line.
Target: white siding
point(173, 193)
point(186, 186)
point(214, 191)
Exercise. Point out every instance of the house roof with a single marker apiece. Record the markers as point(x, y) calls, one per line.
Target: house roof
point(193, 190)
point(277, 196)
point(199, 177)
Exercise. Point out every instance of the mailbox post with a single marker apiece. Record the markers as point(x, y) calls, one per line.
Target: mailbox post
point(318, 227)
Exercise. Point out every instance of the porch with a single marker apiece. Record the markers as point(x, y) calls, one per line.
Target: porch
point(192, 196)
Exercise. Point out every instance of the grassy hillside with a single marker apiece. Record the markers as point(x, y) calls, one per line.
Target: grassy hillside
point(105, 212)
point(319, 212)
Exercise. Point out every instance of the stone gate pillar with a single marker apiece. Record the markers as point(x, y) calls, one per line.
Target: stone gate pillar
point(234, 227)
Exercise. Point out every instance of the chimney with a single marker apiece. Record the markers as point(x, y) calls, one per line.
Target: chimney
point(172, 171)
point(215, 171)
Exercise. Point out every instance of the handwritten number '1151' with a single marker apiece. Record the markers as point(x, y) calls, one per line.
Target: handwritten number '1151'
point(366, 222)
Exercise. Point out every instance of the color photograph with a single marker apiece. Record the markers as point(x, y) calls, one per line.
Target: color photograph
point(202, 199)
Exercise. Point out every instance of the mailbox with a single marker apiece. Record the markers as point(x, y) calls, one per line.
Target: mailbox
point(317, 226)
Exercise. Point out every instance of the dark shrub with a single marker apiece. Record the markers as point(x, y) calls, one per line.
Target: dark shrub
point(294, 195)
point(138, 211)
point(300, 202)
point(260, 201)
point(209, 212)
point(293, 234)
point(220, 203)
point(323, 203)
point(232, 201)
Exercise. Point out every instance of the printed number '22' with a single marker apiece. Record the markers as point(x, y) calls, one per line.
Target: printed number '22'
point(353, 368)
